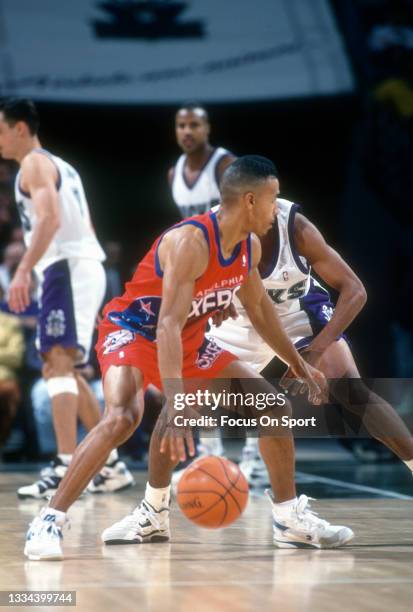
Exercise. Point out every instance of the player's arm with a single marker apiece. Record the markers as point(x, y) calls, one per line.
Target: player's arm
point(38, 177)
point(332, 269)
point(183, 256)
point(265, 319)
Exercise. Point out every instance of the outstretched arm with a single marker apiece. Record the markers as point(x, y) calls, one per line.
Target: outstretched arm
point(332, 269)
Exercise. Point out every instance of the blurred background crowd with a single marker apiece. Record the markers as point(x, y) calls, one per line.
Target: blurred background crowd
point(345, 157)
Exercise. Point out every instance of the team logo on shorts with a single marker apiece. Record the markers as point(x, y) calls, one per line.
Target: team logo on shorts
point(207, 354)
point(328, 312)
point(56, 323)
point(115, 340)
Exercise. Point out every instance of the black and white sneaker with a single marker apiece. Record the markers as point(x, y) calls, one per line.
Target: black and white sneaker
point(111, 478)
point(145, 524)
point(48, 483)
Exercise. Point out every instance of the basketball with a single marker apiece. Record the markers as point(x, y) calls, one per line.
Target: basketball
point(212, 492)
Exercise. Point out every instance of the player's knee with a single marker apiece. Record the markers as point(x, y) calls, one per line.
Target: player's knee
point(120, 421)
point(58, 362)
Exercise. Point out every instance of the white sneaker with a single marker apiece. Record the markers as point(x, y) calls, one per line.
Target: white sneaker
point(111, 478)
point(46, 487)
point(254, 469)
point(145, 524)
point(44, 537)
point(302, 528)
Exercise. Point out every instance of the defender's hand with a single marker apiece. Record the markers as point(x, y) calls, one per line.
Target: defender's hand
point(303, 377)
point(222, 315)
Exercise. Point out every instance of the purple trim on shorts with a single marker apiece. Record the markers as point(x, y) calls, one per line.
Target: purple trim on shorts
point(318, 307)
point(57, 323)
point(294, 209)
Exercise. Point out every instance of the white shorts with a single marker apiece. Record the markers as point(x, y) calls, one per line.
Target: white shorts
point(314, 312)
point(70, 295)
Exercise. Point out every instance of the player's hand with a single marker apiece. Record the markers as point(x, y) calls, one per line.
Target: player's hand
point(19, 291)
point(303, 377)
point(313, 357)
point(174, 437)
point(222, 315)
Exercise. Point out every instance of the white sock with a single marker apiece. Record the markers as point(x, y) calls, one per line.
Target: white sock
point(409, 464)
point(158, 498)
point(66, 458)
point(60, 516)
point(113, 457)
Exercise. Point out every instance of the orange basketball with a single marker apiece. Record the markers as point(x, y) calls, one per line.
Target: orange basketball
point(212, 492)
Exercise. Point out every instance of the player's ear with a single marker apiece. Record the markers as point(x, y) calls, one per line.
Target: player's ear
point(21, 128)
point(249, 200)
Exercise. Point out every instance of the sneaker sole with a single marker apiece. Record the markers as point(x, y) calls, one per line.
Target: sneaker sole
point(45, 557)
point(151, 539)
point(44, 495)
point(122, 488)
point(323, 544)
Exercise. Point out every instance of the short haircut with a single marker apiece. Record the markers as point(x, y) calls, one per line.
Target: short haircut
point(21, 109)
point(192, 107)
point(247, 172)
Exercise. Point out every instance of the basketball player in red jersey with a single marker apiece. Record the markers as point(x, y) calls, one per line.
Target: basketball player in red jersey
point(194, 182)
point(155, 334)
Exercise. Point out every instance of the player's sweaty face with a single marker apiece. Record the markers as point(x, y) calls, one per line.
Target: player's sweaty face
point(7, 138)
point(265, 205)
point(192, 130)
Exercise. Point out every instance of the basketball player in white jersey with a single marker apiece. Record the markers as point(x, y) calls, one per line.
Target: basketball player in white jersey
point(290, 251)
point(63, 251)
point(194, 179)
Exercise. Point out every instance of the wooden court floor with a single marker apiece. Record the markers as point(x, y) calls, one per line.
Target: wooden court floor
point(236, 569)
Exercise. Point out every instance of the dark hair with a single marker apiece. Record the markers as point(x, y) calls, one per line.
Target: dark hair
point(247, 170)
point(21, 109)
point(193, 106)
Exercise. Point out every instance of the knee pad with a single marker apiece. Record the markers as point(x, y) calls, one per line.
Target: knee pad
point(62, 384)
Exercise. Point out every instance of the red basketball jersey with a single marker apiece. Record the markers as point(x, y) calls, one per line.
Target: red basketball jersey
point(138, 308)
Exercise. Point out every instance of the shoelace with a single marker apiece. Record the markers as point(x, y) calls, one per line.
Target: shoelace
point(307, 516)
point(52, 480)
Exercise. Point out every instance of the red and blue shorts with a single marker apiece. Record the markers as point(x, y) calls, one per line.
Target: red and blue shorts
point(117, 346)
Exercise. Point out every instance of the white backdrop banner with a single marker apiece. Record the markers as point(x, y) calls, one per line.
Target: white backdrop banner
point(166, 51)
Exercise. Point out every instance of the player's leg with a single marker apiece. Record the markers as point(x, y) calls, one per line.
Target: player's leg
point(378, 416)
point(114, 476)
point(123, 412)
point(62, 386)
point(294, 523)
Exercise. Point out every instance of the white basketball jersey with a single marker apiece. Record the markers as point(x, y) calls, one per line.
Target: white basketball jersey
point(75, 237)
point(303, 304)
point(203, 194)
point(288, 277)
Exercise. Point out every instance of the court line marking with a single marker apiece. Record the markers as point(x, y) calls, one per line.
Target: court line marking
point(350, 485)
point(242, 583)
